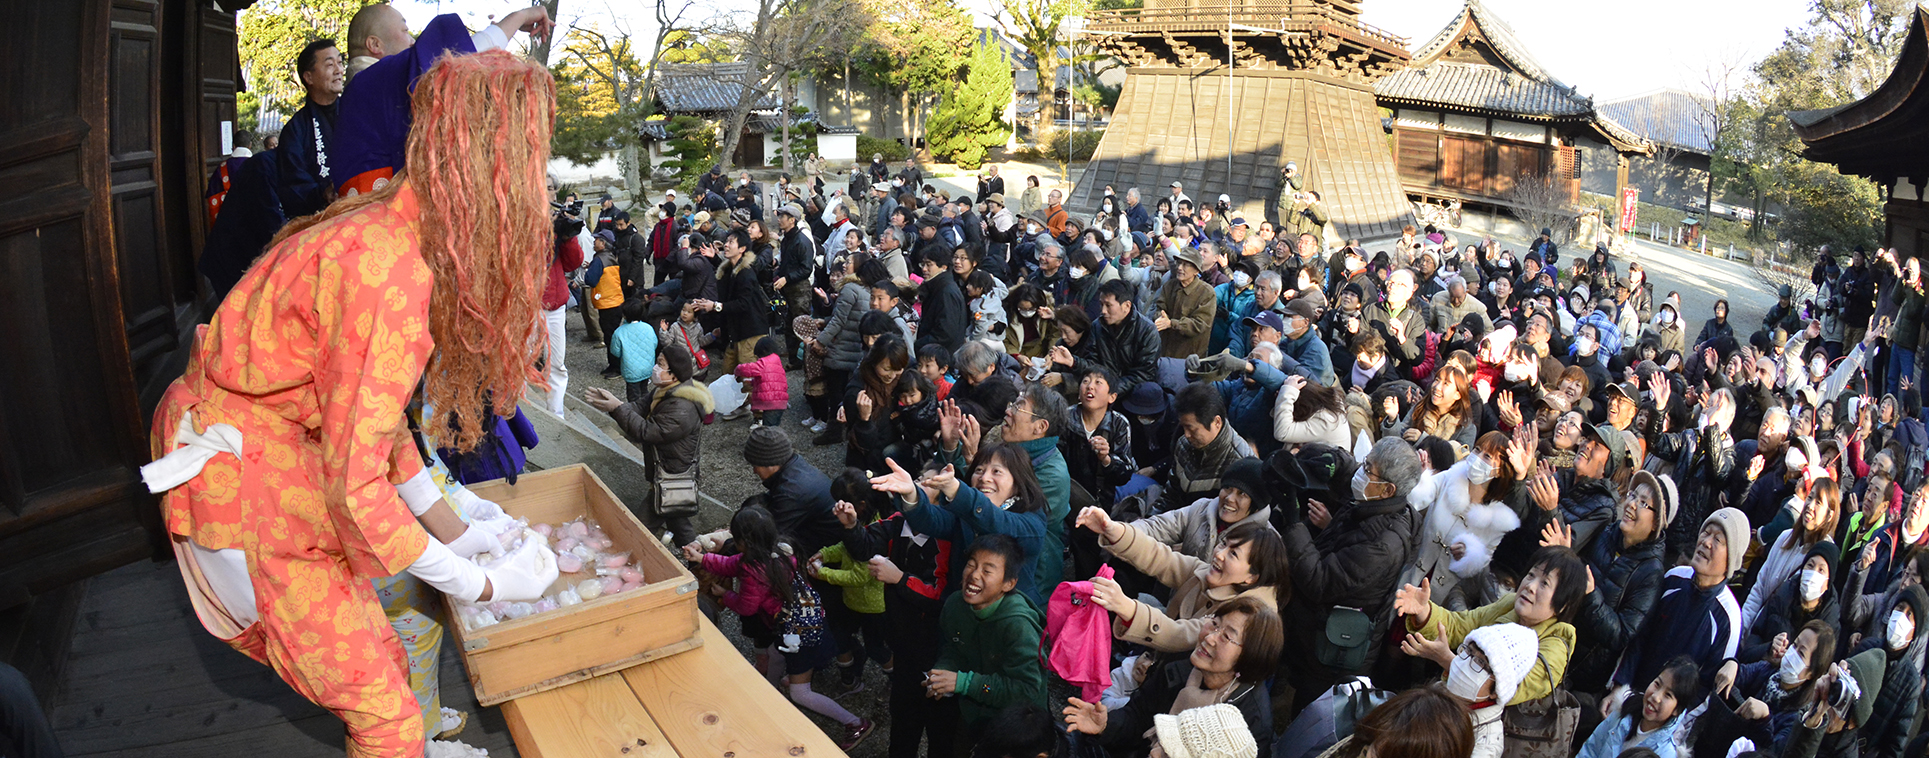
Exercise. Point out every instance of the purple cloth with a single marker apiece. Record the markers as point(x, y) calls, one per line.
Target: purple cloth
point(372, 128)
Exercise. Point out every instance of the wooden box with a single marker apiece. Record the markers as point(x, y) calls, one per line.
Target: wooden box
point(549, 650)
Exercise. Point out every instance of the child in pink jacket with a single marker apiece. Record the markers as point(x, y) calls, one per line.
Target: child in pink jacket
point(768, 388)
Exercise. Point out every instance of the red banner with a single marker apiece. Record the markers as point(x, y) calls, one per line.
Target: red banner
point(1630, 211)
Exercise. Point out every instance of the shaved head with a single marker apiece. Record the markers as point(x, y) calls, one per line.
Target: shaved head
point(378, 31)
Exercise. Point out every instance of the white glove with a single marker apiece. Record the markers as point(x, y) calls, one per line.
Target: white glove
point(471, 507)
point(483, 535)
point(523, 575)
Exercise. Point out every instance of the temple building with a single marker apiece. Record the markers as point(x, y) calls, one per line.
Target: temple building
point(1474, 113)
point(1221, 97)
point(1885, 138)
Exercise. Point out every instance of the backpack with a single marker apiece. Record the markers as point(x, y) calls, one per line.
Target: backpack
point(803, 615)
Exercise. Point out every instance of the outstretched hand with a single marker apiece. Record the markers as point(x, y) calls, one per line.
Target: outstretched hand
point(898, 482)
point(1101, 523)
point(1419, 646)
point(1416, 603)
point(944, 482)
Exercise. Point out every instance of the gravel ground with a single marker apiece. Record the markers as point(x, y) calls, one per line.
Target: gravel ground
point(728, 479)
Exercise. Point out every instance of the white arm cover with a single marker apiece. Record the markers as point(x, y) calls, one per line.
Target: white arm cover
point(442, 569)
point(419, 492)
point(490, 38)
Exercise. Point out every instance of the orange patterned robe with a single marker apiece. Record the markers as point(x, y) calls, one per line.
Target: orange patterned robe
point(313, 357)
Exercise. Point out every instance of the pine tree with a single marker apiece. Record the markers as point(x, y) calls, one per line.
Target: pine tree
point(970, 119)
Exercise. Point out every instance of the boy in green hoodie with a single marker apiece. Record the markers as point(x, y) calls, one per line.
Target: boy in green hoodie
point(989, 655)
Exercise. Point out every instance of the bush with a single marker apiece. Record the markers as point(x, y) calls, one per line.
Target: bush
point(893, 150)
point(1083, 145)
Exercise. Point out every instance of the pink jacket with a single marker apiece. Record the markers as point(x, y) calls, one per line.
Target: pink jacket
point(752, 596)
point(771, 392)
point(1080, 635)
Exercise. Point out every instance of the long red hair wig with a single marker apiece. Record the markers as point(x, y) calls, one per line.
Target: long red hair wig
point(477, 154)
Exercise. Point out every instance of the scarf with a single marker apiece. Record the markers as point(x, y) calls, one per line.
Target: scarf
point(1195, 695)
point(1362, 376)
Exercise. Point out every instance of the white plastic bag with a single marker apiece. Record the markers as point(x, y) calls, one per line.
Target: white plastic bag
point(728, 393)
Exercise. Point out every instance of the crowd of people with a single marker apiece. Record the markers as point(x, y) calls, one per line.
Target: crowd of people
point(1150, 477)
point(1154, 477)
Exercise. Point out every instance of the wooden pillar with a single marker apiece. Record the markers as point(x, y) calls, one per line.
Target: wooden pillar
point(1620, 185)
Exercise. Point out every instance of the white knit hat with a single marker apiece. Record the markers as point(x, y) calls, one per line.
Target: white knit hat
point(1511, 651)
point(1215, 731)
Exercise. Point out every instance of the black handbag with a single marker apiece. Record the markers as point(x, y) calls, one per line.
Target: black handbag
point(1347, 639)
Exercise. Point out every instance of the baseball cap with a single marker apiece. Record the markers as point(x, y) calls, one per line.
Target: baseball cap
point(1611, 437)
point(1237, 220)
point(1270, 319)
point(1177, 185)
point(1302, 308)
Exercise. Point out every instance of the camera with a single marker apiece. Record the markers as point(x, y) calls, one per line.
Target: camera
point(571, 209)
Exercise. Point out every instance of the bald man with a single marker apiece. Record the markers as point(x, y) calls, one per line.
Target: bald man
point(373, 128)
point(377, 32)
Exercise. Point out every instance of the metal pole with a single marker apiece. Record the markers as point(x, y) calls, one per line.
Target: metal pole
point(1230, 68)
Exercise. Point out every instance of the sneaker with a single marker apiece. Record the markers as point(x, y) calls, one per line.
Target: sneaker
point(736, 414)
point(816, 426)
point(855, 734)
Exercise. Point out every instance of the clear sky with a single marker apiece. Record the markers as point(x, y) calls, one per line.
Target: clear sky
point(1606, 49)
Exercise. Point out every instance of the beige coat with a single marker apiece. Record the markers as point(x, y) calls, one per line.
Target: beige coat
point(1179, 626)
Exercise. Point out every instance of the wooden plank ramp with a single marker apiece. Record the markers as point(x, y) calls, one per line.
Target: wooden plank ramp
point(144, 679)
point(708, 702)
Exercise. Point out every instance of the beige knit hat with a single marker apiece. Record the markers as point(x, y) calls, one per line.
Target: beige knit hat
point(1215, 731)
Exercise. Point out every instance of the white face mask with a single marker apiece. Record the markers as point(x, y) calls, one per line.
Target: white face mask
point(1029, 312)
point(1583, 346)
point(1814, 583)
point(1517, 372)
point(1902, 630)
point(1240, 279)
point(1355, 264)
point(1465, 678)
point(1479, 471)
point(1078, 273)
point(1667, 317)
point(1793, 667)
point(1359, 485)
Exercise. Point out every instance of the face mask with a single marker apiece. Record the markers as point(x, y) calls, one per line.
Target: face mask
point(1359, 485)
point(1667, 317)
point(1813, 584)
point(1516, 372)
point(1901, 630)
point(1465, 679)
point(1793, 667)
point(1028, 313)
point(1355, 264)
point(1240, 279)
point(1147, 420)
point(1078, 273)
point(1479, 471)
point(1583, 345)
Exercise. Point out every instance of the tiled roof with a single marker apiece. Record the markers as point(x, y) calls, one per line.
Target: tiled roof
point(1668, 116)
point(706, 87)
point(1496, 31)
point(1483, 87)
point(767, 123)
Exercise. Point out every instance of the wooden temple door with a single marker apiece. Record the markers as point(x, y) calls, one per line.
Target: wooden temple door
point(99, 209)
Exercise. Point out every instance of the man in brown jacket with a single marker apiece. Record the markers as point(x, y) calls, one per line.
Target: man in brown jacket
point(1186, 306)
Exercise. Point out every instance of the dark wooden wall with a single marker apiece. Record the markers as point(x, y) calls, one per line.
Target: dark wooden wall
point(111, 126)
point(1477, 167)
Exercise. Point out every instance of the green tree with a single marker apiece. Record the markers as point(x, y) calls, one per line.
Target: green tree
point(693, 142)
point(1035, 25)
point(970, 120)
point(599, 94)
point(1841, 55)
point(915, 50)
point(270, 36)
